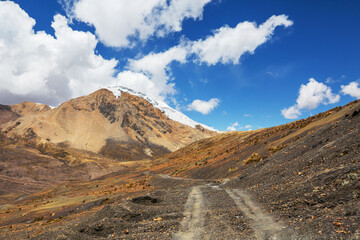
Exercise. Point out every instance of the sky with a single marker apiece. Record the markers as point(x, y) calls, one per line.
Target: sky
point(229, 64)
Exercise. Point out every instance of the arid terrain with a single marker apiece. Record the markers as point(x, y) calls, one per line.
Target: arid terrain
point(123, 128)
point(60, 180)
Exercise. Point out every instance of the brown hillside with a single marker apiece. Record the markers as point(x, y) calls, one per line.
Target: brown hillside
point(125, 128)
point(29, 108)
point(229, 154)
point(299, 180)
point(306, 173)
point(6, 114)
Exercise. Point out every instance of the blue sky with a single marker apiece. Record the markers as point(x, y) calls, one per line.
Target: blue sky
point(194, 55)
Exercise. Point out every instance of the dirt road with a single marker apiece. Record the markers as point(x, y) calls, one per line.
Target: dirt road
point(213, 212)
point(180, 209)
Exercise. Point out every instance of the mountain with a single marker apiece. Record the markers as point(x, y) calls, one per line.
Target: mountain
point(295, 181)
point(226, 155)
point(162, 106)
point(6, 114)
point(126, 127)
point(305, 173)
point(29, 108)
point(83, 139)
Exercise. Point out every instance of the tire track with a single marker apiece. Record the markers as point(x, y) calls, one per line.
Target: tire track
point(222, 219)
point(192, 226)
point(263, 225)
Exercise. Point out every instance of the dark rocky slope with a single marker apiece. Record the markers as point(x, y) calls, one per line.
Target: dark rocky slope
point(313, 183)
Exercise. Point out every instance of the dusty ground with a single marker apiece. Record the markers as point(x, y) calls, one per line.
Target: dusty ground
point(315, 183)
point(176, 209)
point(169, 209)
point(306, 187)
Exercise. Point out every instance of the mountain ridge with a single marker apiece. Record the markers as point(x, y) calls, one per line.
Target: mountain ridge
point(162, 106)
point(294, 181)
point(103, 123)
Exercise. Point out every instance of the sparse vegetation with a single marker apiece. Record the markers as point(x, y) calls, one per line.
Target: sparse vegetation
point(233, 169)
point(123, 151)
point(51, 150)
point(253, 158)
point(273, 150)
point(277, 183)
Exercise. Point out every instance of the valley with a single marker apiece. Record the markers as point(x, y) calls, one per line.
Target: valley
point(60, 181)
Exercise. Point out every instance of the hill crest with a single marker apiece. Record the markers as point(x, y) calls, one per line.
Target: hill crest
point(127, 125)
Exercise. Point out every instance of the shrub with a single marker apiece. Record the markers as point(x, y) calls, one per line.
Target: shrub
point(273, 150)
point(253, 158)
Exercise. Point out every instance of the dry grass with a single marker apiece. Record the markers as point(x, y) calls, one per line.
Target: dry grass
point(253, 158)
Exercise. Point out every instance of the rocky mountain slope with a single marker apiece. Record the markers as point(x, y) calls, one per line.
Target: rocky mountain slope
point(6, 114)
point(82, 139)
point(229, 154)
point(124, 128)
point(306, 172)
point(295, 181)
point(162, 106)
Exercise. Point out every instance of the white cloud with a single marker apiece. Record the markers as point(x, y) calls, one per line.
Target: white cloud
point(203, 106)
point(236, 127)
point(37, 66)
point(155, 66)
point(232, 127)
point(138, 82)
point(313, 94)
point(291, 113)
point(310, 97)
point(178, 10)
point(228, 44)
point(247, 115)
point(118, 22)
point(351, 89)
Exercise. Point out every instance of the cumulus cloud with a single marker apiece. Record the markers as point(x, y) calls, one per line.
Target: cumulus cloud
point(232, 127)
point(291, 113)
point(228, 44)
point(204, 107)
point(313, 94)
point(138, 82)
point(351, 89)
point(155, 66)
point(38, 66)
point(118, 21)
point(310, 97)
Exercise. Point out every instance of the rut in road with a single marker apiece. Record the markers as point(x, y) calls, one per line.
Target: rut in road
point(209, 213)
point(193, 222)
point(263, 225)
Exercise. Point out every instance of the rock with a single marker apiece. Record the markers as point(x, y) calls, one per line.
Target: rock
point(199, 127)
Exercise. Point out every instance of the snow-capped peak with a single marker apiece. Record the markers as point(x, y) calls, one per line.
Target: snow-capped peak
point(166, 109)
